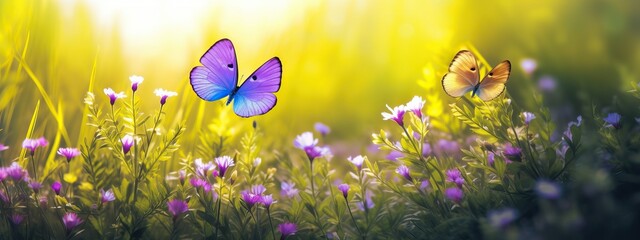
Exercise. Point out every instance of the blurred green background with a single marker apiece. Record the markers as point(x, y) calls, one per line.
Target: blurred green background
point(342, 60)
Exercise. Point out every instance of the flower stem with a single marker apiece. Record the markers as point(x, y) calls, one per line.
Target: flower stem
point(271, 224)
point(353, 219)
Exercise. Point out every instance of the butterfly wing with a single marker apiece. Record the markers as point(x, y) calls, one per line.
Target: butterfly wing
point(219, 75)
point(255, 95)
point(463, 74)
point(493, 84)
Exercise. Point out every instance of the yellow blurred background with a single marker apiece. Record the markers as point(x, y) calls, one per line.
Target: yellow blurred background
point(342, 60)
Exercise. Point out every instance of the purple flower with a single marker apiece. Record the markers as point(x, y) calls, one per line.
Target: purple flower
point(357, 161)
point(368, 202)
point(182, 175)
point(164, 94)
point(35, 185)
point(316, 152)
point(454, 176)
point(3, 147)
point(567, 133)
point(288, 189)
point(16, 218)
point(547, 84)
point(394, 155)
point(202, 169)
point(107, 196)
point(344, 188)
point(512, 153)
point(68, 153)
point(56, 186)
point(258, 189)
point(491, 158)
point(613, 120)
point(3, 174)
point(71, 220)
point(306, 142)
point(415, 105)
point(426, 149)
point(447, 148)
point(424, 185)
point(135, 81)
point(287, 229)
point(197, 182)
point(322, 129)
point(267, 200)
point(501, 218)
point(396, 114)
point(404, 171)
point(527, 117)
point(113, 96)
point(547, 189)
point(454, 194)
point(177, 207)
point(127, 143)
point(250, 198)
point(16, 172)
point(33, 144)
point(224, 163)
point(528, 65)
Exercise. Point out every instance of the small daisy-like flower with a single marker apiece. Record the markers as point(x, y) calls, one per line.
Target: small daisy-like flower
point(527, 117)
point(71, 220)
point(500, 219)
point(201, 168)
point(16, 218)
point(224, 163)
point(113, 96)
point(512, 153)
point(404, 171)
point(56, 187)
point(396, 114)
point(177, 207)
point(250, 198)
point(287, 229)
point(613, 120)
point(357, 161)
point(344, 188)
point(267, 200)
point(454, 176)
point(415, 105)
point(127, 143)
point(197, 182)
point(3, 147)
point(548, 189)
point(135, 81)
point(528, 65)
point(68, 153)
point(454, 194)
point(35, 185)
point(16, 172)
point(33, 144)
point(107, 196)
point(322, 129)
point(164, 94)
point(288, 189)
point(305, 140)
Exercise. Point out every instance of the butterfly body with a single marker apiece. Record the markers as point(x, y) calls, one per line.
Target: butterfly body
point(464, 77)
point(218, 78)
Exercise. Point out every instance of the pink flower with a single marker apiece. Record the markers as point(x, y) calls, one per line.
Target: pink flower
point(224, 163)
point(71, 220)
point(357, 161)
point(415, 105)
point(3, 147)
point(454, 194)
point(56, 187)
point(113, 96)
point(68, 153)
point(107, 196)
point(344, 188)
point(287, 229)
point(177, 207)
point(396, 114)
point(33, 144)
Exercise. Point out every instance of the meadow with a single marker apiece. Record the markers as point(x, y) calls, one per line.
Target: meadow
point(102, 135)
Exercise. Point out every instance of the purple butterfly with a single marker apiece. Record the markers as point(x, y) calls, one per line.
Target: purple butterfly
point(218, 78)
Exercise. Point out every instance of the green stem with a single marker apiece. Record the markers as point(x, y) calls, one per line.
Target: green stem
point(273, 234)
point(353, 219)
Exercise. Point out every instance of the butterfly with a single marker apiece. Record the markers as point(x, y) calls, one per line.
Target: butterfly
point(464, 77)
point(218, 78)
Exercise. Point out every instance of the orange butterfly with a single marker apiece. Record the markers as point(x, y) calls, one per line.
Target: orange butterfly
point(464, 77)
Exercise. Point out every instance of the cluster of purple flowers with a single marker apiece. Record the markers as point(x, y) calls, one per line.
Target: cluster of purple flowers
point(397, 113)
point(256, 195)
point(454, 194)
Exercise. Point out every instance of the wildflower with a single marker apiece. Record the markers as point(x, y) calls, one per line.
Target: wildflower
point(68, 153)
point(394, 155)
point(127, 143)
point(445, 147)
point(258, 189)
point(177, 207)
point(107, 196)
point(454, 176)
point(113, 96)
point(322, 129)
point(250, 198)
point(367, 203)
point(164, 94)
point(528, 65)
point(527, 117)
point(424, 185)
point(415, 105)
point(267, 200)
point(182, 175)
point(512, 153)
point(306, 142)
point(16, 172)
point(201, 168)
point(56, 186)
point(546, 84)
point(491, 158)
point(257, 161)
point(224, 163)
point(567, 133)
point(454, 194)
point(3, 147)
point(613, 120)
point(16, 218)
point(357, 161)
point(426, 150)
point(344, 188)
point(288, 189)
point(71, 220)
point(70, 178)
point(287, 229)
point(135, 81)
point(404, 171)
point(35, 185)
point(33, 144)
point(3, 174)
point(547, 189)
point(501, 218)
point(396, 114)
point(197, 182)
